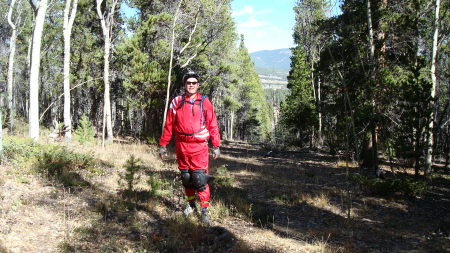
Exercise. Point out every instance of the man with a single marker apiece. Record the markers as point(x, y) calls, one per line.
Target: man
point(192, 119)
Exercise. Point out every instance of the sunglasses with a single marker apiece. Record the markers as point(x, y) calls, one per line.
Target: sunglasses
point(191, 83)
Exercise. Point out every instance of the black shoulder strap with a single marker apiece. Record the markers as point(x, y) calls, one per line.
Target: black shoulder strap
point(183, 100)
point(202, 110)
point(203, 119)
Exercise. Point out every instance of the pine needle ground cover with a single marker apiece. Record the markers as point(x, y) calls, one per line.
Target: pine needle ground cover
point(122, 198)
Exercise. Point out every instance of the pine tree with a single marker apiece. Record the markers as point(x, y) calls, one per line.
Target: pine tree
point(298, 111)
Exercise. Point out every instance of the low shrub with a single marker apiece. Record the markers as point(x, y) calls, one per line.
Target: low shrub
point(84, 133)
point(21, 151)
point(155, 184)
point(58, 163)
point(223, 177)
point(404, 186)
point(131, 175)
point(152, 140)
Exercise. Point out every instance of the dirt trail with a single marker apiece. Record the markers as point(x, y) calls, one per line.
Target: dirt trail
point(306, 197)
point(275, 202)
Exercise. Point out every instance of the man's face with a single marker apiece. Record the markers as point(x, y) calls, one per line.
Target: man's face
point(191, 85)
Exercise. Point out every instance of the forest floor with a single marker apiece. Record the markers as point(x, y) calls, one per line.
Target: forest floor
point(290, 201)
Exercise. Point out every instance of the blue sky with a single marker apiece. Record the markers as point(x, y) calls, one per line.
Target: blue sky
point(266, 24)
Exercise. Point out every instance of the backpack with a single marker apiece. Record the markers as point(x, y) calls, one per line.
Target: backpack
point(203, 118)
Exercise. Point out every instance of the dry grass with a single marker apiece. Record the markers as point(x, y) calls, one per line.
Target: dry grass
point(322, 201)
point(41, 216)
point(36, 217)
point(345, 164)
point(266, 240)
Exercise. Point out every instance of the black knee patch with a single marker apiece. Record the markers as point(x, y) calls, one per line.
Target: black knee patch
point(186, 178)
point(199, 179)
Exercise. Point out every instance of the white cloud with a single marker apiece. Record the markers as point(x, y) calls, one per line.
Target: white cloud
point(267, 38)
point(259, 32)
point(251, 22)
point(247, 10)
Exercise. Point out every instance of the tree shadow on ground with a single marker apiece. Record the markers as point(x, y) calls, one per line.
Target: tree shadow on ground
point(129, 220)
point(280, 185)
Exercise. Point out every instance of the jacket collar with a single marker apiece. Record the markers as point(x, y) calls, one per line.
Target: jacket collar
point(196, 97)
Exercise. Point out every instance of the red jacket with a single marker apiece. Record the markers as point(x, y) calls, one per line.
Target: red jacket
point(189, 124)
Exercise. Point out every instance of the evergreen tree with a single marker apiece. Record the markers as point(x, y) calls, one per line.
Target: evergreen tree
point(254, 118)
point(299, 110)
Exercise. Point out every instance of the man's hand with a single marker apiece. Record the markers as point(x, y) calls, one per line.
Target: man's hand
point(163, 152)
point(216, 152)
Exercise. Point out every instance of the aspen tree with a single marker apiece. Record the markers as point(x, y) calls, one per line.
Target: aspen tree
point(107, 23)
point(40, 10)
point(69, 17)
point(429, 154)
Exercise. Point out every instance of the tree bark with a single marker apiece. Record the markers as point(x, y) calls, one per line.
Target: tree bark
point(371, 159)
point(429, 155)
point(169, 77)
point(107, 24)
point(231, 125)
point(319, 110)
point(69, 17)
point(12, 52)
point(40, 12)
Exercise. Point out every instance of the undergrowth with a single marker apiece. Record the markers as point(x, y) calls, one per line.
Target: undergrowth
point(132, 173)
point(132, 177)
point(394, 186)
point(84, 133)
point(53, 162)
point(223, 177)
point(62, 165)
point(20, 152)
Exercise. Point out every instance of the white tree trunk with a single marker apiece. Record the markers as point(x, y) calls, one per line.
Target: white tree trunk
point(231, 125)
point(429, 155)
point(369, 24)
point(169, 77)
point(107, 24)
point(12, 52)
point(320, 112)
point(41, 9)
point(107, 96)
point(69, 17)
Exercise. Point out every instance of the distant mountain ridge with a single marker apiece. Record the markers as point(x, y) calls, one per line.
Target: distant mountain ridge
point(278, 59)
point(273, 67)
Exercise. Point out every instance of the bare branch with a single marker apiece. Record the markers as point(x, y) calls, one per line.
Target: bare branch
point(110, 19)
point(192, 32)
point(101, 16)
point(11, 8)
point(170, 64)
point(73, 13)
point(193, 56)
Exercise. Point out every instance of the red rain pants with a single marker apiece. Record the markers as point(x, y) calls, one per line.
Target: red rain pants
point(194, 156)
